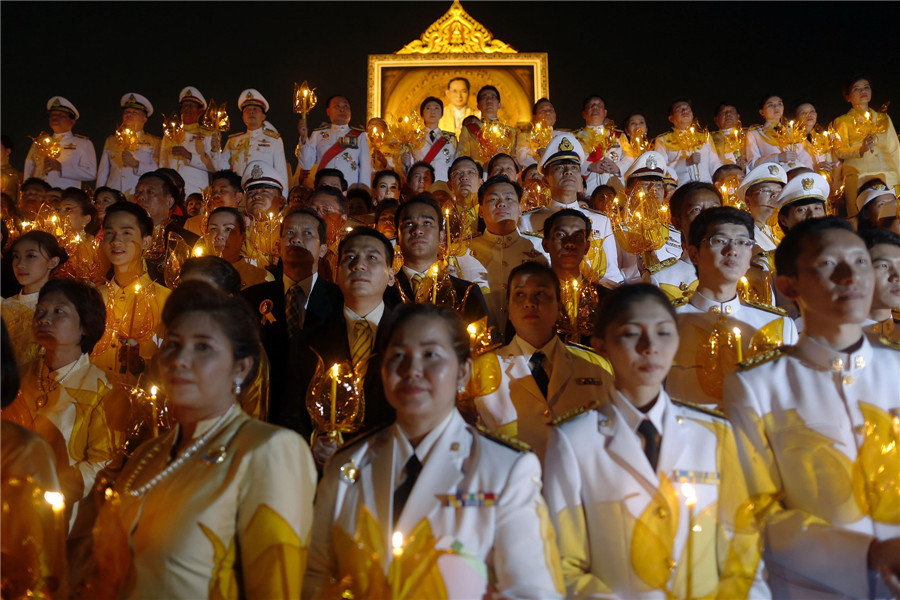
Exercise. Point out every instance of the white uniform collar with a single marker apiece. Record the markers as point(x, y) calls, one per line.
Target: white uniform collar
point(507, 239)
point(557, 205)
point(703, 303)
point(633, 416)
point(824, 358)
point(405, 449)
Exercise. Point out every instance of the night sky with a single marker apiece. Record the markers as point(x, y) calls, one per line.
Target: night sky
point(639, 55)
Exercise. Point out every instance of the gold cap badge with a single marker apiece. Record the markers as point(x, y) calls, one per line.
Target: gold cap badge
point(808, 183)
point(565, 145)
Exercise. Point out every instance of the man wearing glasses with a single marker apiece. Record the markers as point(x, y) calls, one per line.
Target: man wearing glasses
point(717, 329)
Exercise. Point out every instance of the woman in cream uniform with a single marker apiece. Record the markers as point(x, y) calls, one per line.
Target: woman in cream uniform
point(221, 505)
point(646, 493)
point(430, 487)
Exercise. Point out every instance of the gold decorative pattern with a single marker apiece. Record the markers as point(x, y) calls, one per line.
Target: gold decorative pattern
point(456, 33)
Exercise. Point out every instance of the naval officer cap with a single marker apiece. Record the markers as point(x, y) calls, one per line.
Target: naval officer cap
point(193, 94)
point(61, 104)
point(260, 174)
point(809, 186)
point(251, 97)
point(649, 165)
point(135, 100)
point(876, 191)
point(563, 148)
point(762, 173)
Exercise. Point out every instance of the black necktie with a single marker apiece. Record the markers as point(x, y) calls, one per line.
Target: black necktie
point(537, 371)
point(652, 441)
point(401, 494)
point(431, 135)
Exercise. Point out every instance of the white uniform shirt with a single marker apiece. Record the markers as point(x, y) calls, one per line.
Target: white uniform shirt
point(801, 420)
point(444, 158)
point(677, 280)
point(488, 262)
point(196, 171)
point(599, 486)
point(261, 144)
point(760, 144)
point(353, 159)
point(677, 161)
point(697, 319)
point(111, 170)
point(601, 229)
point(77, 158)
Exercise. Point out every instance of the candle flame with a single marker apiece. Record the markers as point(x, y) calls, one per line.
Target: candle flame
point(153, 390)
point(737, 332)
point(397, 543)
point(55, 500)
point(137, 288)
point(690, 496)
point(473, 331)
point(198, 251)
point(575, 284)
point(334, 370)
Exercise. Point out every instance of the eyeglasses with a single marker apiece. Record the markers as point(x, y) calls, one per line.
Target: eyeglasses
point(766, 192)
point(719, 242)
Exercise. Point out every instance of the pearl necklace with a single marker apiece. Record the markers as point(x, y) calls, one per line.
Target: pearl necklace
point(175, 464)
point(54, 385)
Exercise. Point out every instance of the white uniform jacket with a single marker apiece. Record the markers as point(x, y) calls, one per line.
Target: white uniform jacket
point(111, 170)
point(481, 499)
point(195, 172)
point(353, 157)
point(601, 230)
point(444, 156)
point(261, 144)
point(518, 409)
point(623, 527)
point(677, 160)
point(77, 158)
point(801, 420)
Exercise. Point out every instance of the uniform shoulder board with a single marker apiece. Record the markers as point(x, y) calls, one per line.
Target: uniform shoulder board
point(704, 409)
point(895, 344)
point(574, 413)
point(362, 437)
point(322, 128)
point(680, 301)
point(272, 133)
point(760, 359)
point(766, 307)
point(84, 137)
point(360, 129)
point(503, 440)
point(447, 134)
point(654, 269)
point(596, 212)
point(535, 234)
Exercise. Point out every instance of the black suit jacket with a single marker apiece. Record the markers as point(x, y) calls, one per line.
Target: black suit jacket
point(330, 341)
point(325, 299)
point(474, 308)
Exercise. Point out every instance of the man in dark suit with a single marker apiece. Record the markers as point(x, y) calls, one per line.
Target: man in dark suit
point(354, 332)
point(296, 302)
point(420, 233)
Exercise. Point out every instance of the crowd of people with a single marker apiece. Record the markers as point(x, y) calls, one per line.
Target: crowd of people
point(499, 361)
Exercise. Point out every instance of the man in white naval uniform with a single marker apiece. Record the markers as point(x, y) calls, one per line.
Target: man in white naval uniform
point(192, 158)
point(337, 146)
point(561, 167)
point(816, 427)
point(493, 255)
point(257, 143)
point(120, 168)
point(697, 163)
point(677, 277)
point(759, 190)
point(602, 168)
point(720, 244)
point(77, 160)
point(439, 147)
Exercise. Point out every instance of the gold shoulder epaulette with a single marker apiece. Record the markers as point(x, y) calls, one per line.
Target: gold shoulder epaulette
point(574, 413)
point(535, 234)
point(272, 133)
point(704, 409)
point(766, 307)
point(322, 127)
point(895, 344)
point(84, 137)
point(591, 210)
point(654, 269)
point(504, 440)
point(447, 134)
point(362, 437)
point(760, 359)
point(356, 128)
point(680, 301)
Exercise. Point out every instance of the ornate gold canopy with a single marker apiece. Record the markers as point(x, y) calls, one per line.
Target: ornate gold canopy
point(456, 33)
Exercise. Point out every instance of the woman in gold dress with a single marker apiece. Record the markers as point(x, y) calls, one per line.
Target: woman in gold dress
point(221, 505)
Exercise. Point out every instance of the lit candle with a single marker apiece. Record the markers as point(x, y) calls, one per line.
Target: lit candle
point(473, 332)
point(434, 282)
point(334, 375)
point(397, 544)
point(57, 503)
point(198, 251)
point(447, 227)
point(154, 410)
point(690, 499)
point(737, 344)
point(745, 287)
point(575, 304)
point(137, 289)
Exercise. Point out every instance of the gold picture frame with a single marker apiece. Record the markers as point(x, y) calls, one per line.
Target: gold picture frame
point(456, 46)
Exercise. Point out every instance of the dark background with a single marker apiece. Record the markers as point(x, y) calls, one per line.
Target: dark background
point(638, 55)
